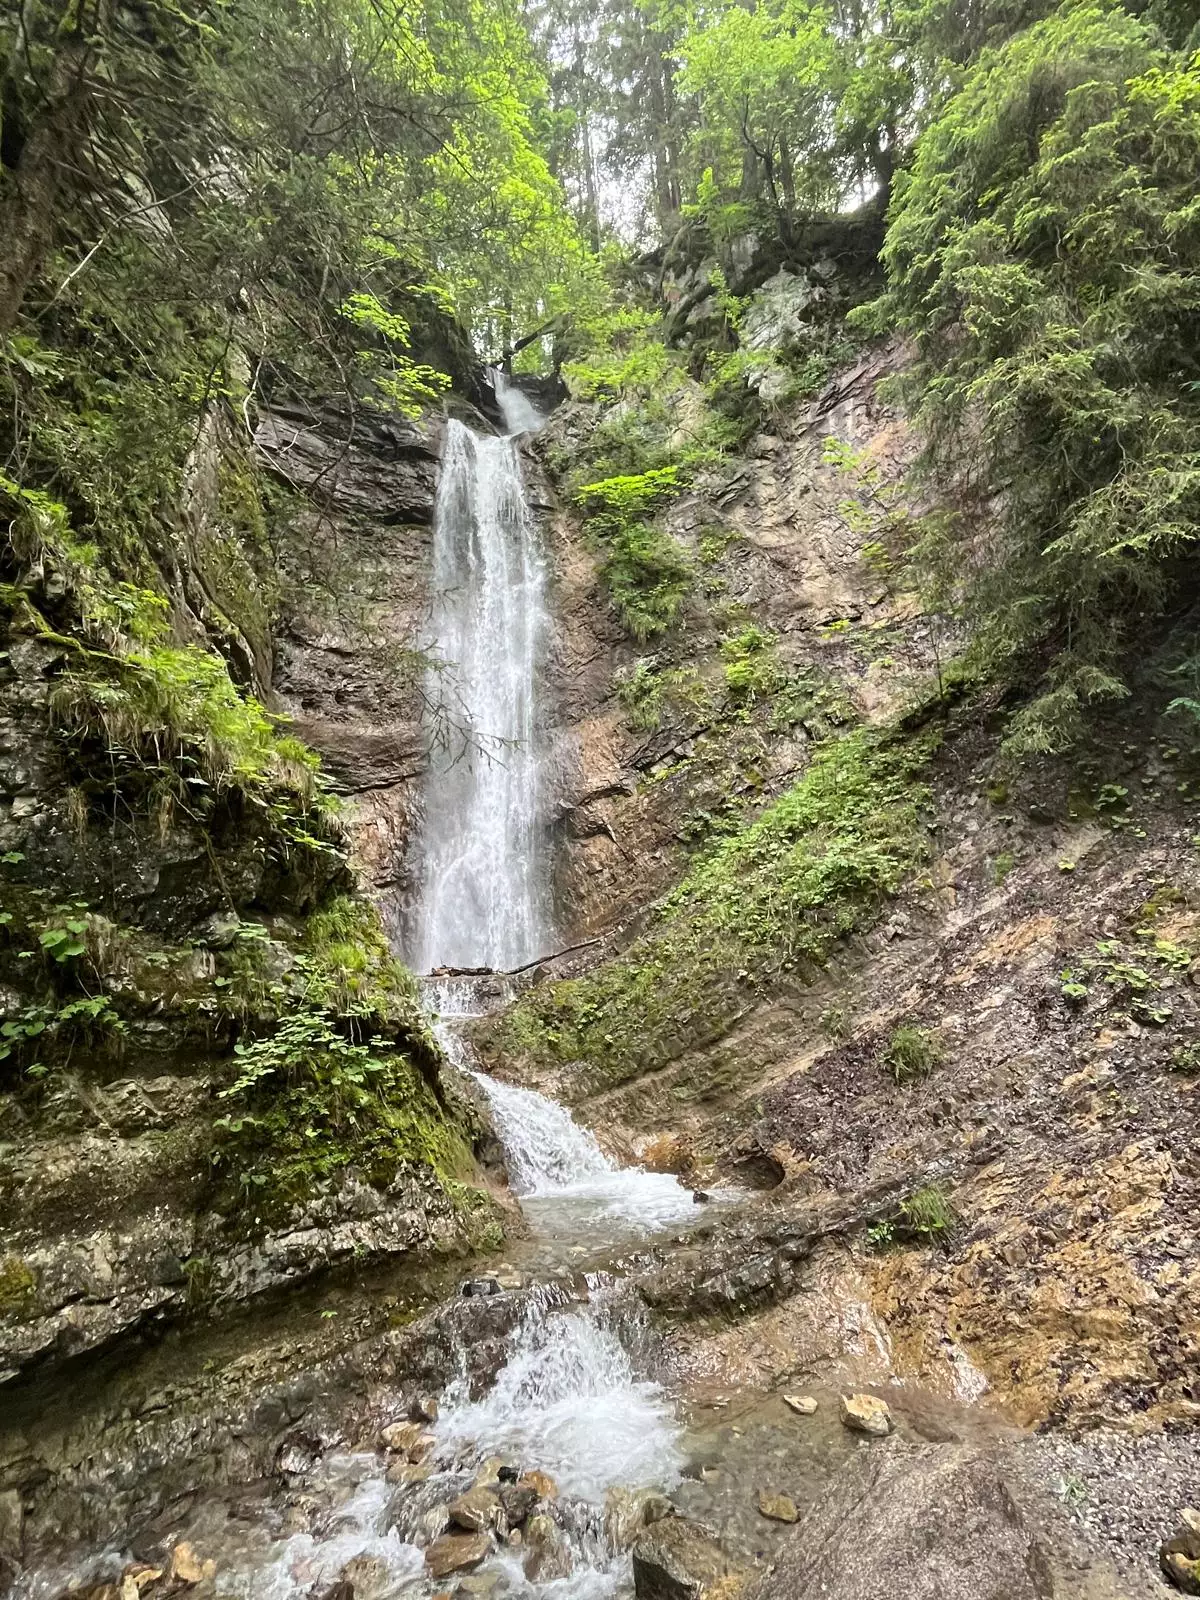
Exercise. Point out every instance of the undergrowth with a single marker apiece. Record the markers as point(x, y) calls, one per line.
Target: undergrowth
point(772, 898)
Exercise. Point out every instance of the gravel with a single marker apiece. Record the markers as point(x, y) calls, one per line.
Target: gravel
point(1126, 1492)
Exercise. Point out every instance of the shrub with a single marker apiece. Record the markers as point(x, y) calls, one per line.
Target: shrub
point(912, 1053)
point(1043, 254)
point(647, 572)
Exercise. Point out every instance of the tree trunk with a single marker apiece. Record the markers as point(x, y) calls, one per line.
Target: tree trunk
point(31, 199)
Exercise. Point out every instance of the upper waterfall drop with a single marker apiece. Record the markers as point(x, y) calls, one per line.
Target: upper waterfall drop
point(481, 867)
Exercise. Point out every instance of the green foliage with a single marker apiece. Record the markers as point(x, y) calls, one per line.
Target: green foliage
point(773, 897)
point(646, 571)
point(912, 1053)
point(648, 693)
point(18, 1285)
point(1043, 256)
point(928, 1214)
point(1128, 976)
point(926, 1217)
point(310, 1099)
point(752, 669)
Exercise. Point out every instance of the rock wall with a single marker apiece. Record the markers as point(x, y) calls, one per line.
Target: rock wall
point(193, 924)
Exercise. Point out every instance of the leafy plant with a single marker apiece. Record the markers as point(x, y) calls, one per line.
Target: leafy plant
point(912, 1053)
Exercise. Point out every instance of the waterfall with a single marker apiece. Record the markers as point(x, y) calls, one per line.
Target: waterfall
point(482, 897)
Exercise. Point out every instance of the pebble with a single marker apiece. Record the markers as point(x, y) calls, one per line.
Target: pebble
point(802, 1404)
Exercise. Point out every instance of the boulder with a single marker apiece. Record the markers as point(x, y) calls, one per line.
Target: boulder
point(400, 1436)
point(475, 1510)
point(777, 1507)
point(406, 1473)
point(541, 1482)
point(456, 1552)
point(1179, 1555)
point(367, 1576)
point(677, 1559)
point(628, 1511)
point(866, 1413)
point(938, 1522)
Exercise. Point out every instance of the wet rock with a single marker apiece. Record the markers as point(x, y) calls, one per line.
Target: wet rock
point(432, 1524)
point(297, 1455)
point(341, 1590)
point(541, 1482)
point(549, 1554)
point(481, 1286)
point(187, 1567)
point(1179, 1555)
point(456, 1552)
point(475, 1510)
point(367, 1576)
point(942, 1522)
point(677, 1559)
point(517, 1502)
point(777, 1507)
point(423, 1408)
point(400, 1436)
point(420, 1447)
point(480, 1583)
point(508, 1475)
point(802, 1404)
point(628, 1511)
point(508, 1278)
point(866, 1413)
point(12, 1519)
point(406, 1473)
point(701, 1197)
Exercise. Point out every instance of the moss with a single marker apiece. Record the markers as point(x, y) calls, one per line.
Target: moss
point(17, 1286)
point(771, 899)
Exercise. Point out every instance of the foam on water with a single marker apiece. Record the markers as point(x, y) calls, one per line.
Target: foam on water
point(568, 1402)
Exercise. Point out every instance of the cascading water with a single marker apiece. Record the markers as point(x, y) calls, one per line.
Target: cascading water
point(483, 899)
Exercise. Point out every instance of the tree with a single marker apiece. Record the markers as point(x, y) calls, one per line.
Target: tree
point(1044, 256)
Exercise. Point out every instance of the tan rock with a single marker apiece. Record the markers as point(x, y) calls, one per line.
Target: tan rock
point(677, 1559)
point(778, 1507)
point(628, 1511)
point(400, 1436)
point(542, 1482)
point(549, 1555)
point(475, 1510)
point(489, 1472)
point(802, 1404)
point(456, 1552)
point(420, 1447)
point(406, 1473)
point(1179, 1555)
point(866, 1413)
point(187, 1567)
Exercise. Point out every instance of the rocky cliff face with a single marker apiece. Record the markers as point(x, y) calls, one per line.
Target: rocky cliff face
point(179, 891)
point(1003, 1049)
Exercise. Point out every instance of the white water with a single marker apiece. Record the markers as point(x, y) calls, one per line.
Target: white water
point(569, 1402)
point(480, 856)
point(568, 1399)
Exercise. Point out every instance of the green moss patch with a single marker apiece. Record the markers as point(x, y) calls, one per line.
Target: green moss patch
point(772, 898)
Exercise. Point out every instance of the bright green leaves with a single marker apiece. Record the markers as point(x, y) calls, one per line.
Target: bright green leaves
point(1044, 254)
point(406, 385)
point(646, 570)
